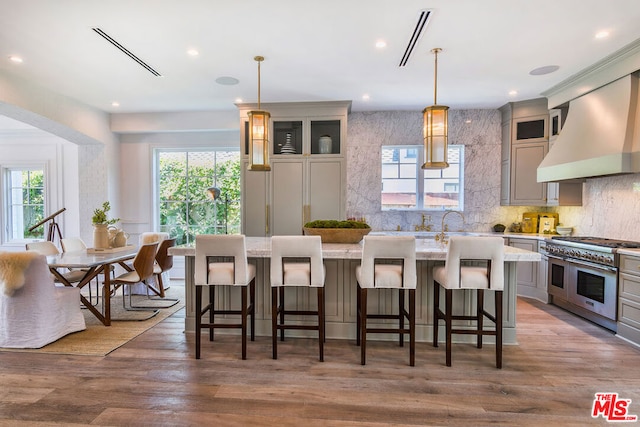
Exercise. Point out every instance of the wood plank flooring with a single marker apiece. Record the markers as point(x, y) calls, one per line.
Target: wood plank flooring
point(549, 379)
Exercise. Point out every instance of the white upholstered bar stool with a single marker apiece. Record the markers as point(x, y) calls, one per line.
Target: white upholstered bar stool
point(221, 260)
point(454, 275)
point(296, 261)
point(388, 262)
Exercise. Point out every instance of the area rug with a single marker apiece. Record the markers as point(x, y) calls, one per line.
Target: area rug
point(100, 340)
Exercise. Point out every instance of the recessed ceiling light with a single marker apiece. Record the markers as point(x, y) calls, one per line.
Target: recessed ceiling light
point(193, 52)
point(227, 81)
point(513, 92)
point(602, 34)
point(547, 69)
point(381, 44)
point(15, 59)
point(365, 97)
point(238, 100)
point(115, 104)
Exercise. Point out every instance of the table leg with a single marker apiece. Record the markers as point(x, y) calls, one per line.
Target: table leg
point(106, 294)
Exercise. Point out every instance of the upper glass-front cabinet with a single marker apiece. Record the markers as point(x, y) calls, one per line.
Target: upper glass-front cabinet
point(315, 129)
point(315, 137)
point(325, 137)
point(287, 137)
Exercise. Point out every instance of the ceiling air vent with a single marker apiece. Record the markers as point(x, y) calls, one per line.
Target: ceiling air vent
point(126, 51)
point(423, 19)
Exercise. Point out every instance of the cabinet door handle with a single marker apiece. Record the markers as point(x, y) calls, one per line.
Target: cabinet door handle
point(266, 224)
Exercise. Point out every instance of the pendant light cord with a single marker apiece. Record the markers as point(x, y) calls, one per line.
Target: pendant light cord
point(435, 76)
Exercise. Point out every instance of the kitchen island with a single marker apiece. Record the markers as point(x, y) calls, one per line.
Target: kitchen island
point(340, 289)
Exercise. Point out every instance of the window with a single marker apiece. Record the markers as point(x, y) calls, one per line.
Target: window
point(405, 185)
point(182, 180)
point(25, 202)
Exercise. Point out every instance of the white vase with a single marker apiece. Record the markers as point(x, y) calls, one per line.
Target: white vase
point(100, 236)
point(326, 146)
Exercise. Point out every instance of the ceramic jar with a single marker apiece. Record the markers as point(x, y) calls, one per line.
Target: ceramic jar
point(325, 143)
point(100, 236)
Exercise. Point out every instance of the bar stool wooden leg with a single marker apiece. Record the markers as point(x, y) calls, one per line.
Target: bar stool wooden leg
point(480, 315)
point(448, 304)
point(412, 327)
point(198, 319)
point(243, 314)
point(212, 306)
point(358, 305)
point(252, 309)
point(436, 308)
point(401, 314)
point(321, 331)
point(281, 310)
point(363, 325)
point(499, 312)
point(274, 321)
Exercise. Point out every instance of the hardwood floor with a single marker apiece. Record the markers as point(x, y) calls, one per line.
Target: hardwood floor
point(550, 378)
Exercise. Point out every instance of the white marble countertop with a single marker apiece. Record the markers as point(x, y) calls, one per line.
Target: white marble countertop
point(426, 249)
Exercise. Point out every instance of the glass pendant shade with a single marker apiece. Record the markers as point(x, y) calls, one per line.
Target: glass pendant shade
point(259, 140)
point(436, 123)
point(259, 133)
point(436, 119)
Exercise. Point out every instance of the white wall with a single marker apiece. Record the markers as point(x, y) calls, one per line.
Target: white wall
point(25, 147)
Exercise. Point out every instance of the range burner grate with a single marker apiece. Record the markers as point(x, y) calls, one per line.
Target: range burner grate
point(599, 241)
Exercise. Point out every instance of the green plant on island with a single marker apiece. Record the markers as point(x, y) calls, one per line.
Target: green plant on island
point(100, 215)
point(334, 223)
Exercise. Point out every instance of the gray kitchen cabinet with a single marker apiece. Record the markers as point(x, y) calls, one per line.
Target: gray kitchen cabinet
point(307, 180)
point(629, 299)
point(525, 142)
point(531, 276)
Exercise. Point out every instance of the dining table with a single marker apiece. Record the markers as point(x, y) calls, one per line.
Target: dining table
point(93, 262)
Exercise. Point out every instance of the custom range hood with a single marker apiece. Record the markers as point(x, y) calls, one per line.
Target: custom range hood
point(601, 135)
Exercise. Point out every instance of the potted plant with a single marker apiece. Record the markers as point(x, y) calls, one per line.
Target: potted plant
point(101, 222)
point(336, 231)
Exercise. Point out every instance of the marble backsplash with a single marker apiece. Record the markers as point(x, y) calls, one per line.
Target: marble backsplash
point(610, 205)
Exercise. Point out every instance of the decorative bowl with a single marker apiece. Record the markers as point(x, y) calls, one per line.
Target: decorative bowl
point(338, 235)
point(563, 231)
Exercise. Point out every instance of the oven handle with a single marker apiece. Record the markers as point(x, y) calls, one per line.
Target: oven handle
point(595, 266)
point(584, 263)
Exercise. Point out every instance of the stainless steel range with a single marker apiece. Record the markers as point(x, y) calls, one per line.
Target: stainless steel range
point(583, 276)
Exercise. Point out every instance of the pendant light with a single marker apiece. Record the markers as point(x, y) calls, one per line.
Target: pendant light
point(259, 133)
point(436, 121)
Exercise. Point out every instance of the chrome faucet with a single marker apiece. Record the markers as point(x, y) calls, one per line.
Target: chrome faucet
point(423, 226)
point(442, 236)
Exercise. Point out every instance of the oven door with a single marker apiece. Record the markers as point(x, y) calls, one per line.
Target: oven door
point(594, 287)
point(558, 277)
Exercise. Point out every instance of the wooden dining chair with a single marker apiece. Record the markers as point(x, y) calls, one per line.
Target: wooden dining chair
point(164, 262)
point(142, 271)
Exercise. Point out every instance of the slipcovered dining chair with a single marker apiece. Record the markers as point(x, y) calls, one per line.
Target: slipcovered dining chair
point(296, 261)
point(456, 275)
point(33, 310)
point(388, 262)
point(142, 271)
point(221, 261)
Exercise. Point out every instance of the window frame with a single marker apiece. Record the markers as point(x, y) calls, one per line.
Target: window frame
point(157, 151)
point(7, 205)
point(421, 176)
